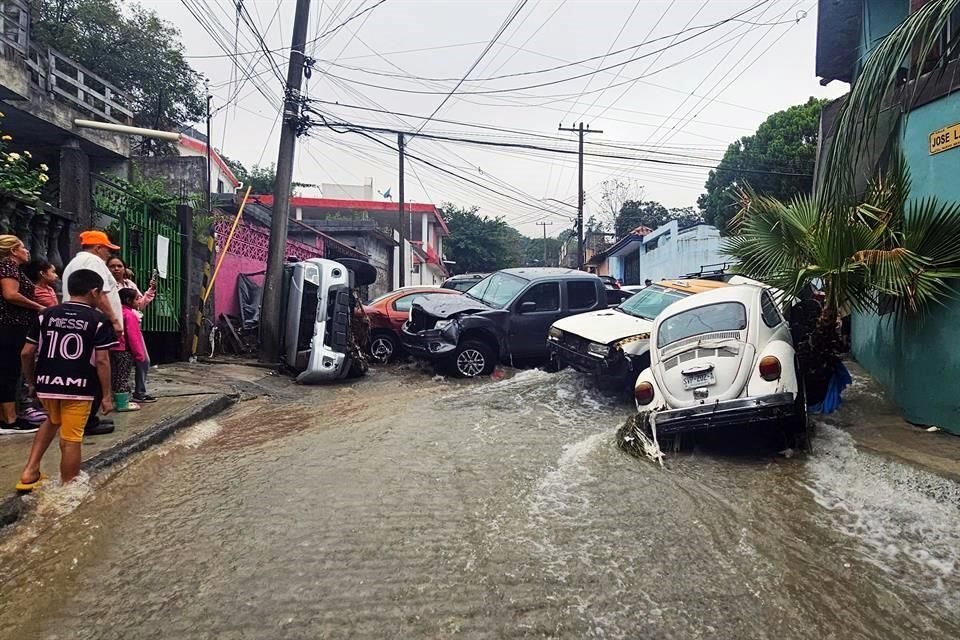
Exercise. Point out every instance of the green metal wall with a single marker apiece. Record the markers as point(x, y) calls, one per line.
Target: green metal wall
point(920, 364)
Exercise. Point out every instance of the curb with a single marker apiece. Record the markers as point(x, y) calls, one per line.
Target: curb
point(11, 508)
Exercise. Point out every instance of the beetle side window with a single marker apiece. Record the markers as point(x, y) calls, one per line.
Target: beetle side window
point(546, 295)
point(771, 316)
point(581, 294)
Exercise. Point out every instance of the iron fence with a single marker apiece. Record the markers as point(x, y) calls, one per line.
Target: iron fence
point(142, 230)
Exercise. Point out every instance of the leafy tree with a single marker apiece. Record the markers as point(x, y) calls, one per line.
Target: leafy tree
point(480, 243)
point(261, 180)
point(132, 48)
point(634, 214)
point(686, 216)
point(534, 252)
point(786, 142)
point(613, 194)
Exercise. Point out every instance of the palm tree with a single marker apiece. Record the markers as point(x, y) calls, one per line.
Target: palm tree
point(886, 251)
point(873, 247)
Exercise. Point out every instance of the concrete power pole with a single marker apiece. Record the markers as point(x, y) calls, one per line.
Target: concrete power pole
point(400, 225)
point(544, 225)
point(270, 308)
point(209, 149)
point(580, 200)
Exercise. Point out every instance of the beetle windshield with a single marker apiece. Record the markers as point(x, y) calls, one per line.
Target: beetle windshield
point(651, 301)
point(497, 290)
point(723, 316)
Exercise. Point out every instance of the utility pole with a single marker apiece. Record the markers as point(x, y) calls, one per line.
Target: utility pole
point(400, 225)
point(580, 200)
point(272, 287)
point(209, 144)
point(544, 225)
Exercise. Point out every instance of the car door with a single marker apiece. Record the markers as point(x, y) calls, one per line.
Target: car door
point(531, 316)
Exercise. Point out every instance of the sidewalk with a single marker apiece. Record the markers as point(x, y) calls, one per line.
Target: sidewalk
point(186, 393)
point(875, 424)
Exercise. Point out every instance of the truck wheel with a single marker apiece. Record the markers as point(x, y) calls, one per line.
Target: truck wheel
point(473, 358)
point(383, 347)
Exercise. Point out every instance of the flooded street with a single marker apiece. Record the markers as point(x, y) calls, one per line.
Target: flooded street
point(410, 507)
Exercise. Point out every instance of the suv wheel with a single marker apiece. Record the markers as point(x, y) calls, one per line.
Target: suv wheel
point(383, 347)
point(473, 358)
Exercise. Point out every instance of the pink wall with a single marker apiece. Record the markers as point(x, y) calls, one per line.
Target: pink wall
point(225, 290)
point(247, 254)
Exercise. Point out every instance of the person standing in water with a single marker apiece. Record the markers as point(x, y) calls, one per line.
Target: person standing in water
point(66, 362)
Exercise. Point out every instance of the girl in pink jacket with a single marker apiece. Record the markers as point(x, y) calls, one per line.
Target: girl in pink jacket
point(132, 350)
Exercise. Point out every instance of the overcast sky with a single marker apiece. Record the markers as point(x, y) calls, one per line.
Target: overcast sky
point(693, 81)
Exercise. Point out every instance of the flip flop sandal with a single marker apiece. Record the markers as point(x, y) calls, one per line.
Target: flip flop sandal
point(131, 407)
point(30, 486)
point(34, 417)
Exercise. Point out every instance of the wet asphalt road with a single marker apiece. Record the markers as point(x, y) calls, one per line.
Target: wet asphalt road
point(402, 506)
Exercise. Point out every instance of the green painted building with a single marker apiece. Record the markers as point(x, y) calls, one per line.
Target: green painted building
point(918, 364)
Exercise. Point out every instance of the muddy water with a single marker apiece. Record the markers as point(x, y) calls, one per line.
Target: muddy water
point(408, 507)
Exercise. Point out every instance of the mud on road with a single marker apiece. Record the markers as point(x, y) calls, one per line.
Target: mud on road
point(417, 507)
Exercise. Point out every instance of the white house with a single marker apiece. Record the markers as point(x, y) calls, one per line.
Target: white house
point(667, 252)
point(222, 179)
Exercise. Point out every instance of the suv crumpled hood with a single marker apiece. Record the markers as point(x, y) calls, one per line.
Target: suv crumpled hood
point(604, 326)
point(443, 305)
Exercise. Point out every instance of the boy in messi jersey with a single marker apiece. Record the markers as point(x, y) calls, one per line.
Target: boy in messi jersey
point(66, 354)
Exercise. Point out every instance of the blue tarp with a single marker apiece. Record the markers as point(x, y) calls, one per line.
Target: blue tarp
point(838, 382)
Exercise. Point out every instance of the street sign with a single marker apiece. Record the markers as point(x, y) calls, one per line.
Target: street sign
point(945, 139)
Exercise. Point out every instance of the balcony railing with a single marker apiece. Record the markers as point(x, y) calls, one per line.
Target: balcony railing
point(57, 74)
point(45, 230)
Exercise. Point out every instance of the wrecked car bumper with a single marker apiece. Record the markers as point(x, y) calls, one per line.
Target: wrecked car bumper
point(730, 413)
point(613, 365)
point(430, 343)
point(324, 364)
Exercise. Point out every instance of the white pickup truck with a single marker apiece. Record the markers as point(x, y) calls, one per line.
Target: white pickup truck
point(614, 344)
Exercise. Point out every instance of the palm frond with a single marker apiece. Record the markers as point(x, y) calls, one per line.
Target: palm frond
point(876, 88)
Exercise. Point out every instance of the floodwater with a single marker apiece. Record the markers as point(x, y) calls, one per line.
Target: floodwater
point(407, 507)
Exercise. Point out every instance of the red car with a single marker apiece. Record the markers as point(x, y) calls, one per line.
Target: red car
point(387, 315)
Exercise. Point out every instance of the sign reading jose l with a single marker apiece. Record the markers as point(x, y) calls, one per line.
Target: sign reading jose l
point(945, 139)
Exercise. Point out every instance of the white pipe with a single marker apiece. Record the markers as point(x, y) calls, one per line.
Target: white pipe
point(134, 131)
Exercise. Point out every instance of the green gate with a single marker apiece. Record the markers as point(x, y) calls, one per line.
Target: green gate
point(137, 225)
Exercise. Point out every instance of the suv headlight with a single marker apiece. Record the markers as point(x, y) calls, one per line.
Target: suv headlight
point(554, 334)
point(440, 325)
point(597, 349)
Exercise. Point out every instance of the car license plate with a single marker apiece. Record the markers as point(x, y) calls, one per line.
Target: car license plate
point(697, 380)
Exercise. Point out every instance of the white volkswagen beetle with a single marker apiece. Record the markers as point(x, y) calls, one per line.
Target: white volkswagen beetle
point(723, 358)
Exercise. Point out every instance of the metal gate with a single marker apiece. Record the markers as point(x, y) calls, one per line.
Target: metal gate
point(137, 225)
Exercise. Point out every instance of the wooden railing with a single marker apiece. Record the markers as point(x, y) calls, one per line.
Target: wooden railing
point(15, 24)
point(86, 90)
point(45, 230)
point(57, 74)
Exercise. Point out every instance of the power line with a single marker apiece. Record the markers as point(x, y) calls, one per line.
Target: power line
point(701, 28)
point(613, 43)
point(506, 23)
point(228, 54)
point(630, 87)
point(517, 145)
point(540, 85)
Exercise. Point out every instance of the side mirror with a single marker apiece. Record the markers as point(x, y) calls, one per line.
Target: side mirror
point(528, 307)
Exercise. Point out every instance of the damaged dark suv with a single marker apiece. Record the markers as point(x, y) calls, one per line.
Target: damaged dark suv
point(503, 318)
